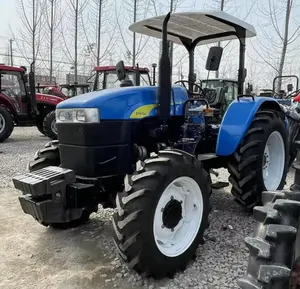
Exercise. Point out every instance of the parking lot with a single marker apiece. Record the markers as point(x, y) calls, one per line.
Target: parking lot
point(33, 256)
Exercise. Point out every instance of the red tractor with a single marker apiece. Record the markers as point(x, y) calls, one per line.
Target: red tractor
point(64, 90)
point(20, 104)
point(106, 76)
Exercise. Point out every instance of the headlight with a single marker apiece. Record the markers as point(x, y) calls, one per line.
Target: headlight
point(85, 115)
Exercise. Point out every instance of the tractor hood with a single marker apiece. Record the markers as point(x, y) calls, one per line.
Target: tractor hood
point(99, 98)
point(122, 103)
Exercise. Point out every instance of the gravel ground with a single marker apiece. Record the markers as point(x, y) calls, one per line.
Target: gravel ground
point(33, 256)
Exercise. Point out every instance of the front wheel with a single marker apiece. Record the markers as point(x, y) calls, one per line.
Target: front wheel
point(6, 124)
point(39, 125)
point(162, 216)
point(49, 125)
point(260, 163)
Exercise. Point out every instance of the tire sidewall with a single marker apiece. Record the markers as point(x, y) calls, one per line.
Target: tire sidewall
point(278, 126)
point(153, 252)
point(49, 118)
point(9, 125)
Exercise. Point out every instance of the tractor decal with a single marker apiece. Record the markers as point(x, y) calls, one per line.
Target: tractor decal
point(48, 98)
point(142, 111)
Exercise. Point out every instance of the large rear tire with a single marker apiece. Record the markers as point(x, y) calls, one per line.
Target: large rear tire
point(49, 125)
point(272, 249)
point(260, 163)
point(49, 156)
point(6, 124)
point(162, 214)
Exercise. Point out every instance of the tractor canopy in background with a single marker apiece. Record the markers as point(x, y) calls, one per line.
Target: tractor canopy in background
point(20, 104)
point(176, 135)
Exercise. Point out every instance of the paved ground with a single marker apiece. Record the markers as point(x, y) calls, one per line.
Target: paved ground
point(33, 256)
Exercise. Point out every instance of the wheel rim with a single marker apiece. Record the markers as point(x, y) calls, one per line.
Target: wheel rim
point(53, 126)
point(2, 123)
point(273, 161)
point(178, 216)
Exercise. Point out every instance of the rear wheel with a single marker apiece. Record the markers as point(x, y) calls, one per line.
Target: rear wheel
point(261, 161)
point(6, 124)
point(274, 250)
point(49, 125)
point(162, 214)
point(49, 156)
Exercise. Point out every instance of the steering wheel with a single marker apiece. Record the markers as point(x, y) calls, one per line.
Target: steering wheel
point(192, 84)
point(293, 94)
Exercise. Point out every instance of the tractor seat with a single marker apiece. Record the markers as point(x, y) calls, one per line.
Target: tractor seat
point(126, 82)
point(210, 95)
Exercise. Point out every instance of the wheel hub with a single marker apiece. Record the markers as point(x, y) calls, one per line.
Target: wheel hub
point(172, 214)
point(53, 126)
point(178, 216)
point(2, 123)
point(273, 161)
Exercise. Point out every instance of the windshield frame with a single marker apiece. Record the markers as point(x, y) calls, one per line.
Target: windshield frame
point(20, 78)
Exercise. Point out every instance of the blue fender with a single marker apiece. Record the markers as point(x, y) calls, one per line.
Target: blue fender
point(237, 120)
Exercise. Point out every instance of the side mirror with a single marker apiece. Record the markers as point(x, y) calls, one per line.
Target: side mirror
point(250, 87)
point(120, 68)
point(214, 58)
point(225, 89)
point(290, 87)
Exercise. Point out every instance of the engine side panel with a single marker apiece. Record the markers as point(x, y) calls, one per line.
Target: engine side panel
point(237, 120)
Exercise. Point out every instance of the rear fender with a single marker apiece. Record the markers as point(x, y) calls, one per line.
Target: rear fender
point(238, 119)
point(8, 103)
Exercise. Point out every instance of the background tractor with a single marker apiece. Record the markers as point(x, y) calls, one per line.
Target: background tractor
point(64, 90)
point(21, 105)
point(106, 76)
point(174, 135)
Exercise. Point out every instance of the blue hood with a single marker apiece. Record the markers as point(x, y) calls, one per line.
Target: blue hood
point(120, 103)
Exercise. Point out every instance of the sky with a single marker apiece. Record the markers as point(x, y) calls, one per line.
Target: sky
point(261, 54)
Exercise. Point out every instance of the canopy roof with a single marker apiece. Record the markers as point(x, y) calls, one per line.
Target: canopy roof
point(211, 26)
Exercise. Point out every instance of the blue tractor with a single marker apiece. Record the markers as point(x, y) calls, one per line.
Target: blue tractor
point(173, 133)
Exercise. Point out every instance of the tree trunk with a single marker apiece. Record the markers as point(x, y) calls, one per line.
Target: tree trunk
point(285, 43)
point(51, 39)
point(134, 40)
point(76, 39)
point(99, 32)
point(33, 33)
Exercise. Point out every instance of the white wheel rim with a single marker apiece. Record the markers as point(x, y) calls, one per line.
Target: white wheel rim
point(173, 243)
point(2, 123)
point(273, 161)
point(53, 126)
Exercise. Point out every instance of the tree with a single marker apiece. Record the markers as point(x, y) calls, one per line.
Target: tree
point(99, 30)
point(71, 30)
point(31, 14)
point(132, 11)
point(53, 20)
point(278, 41)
